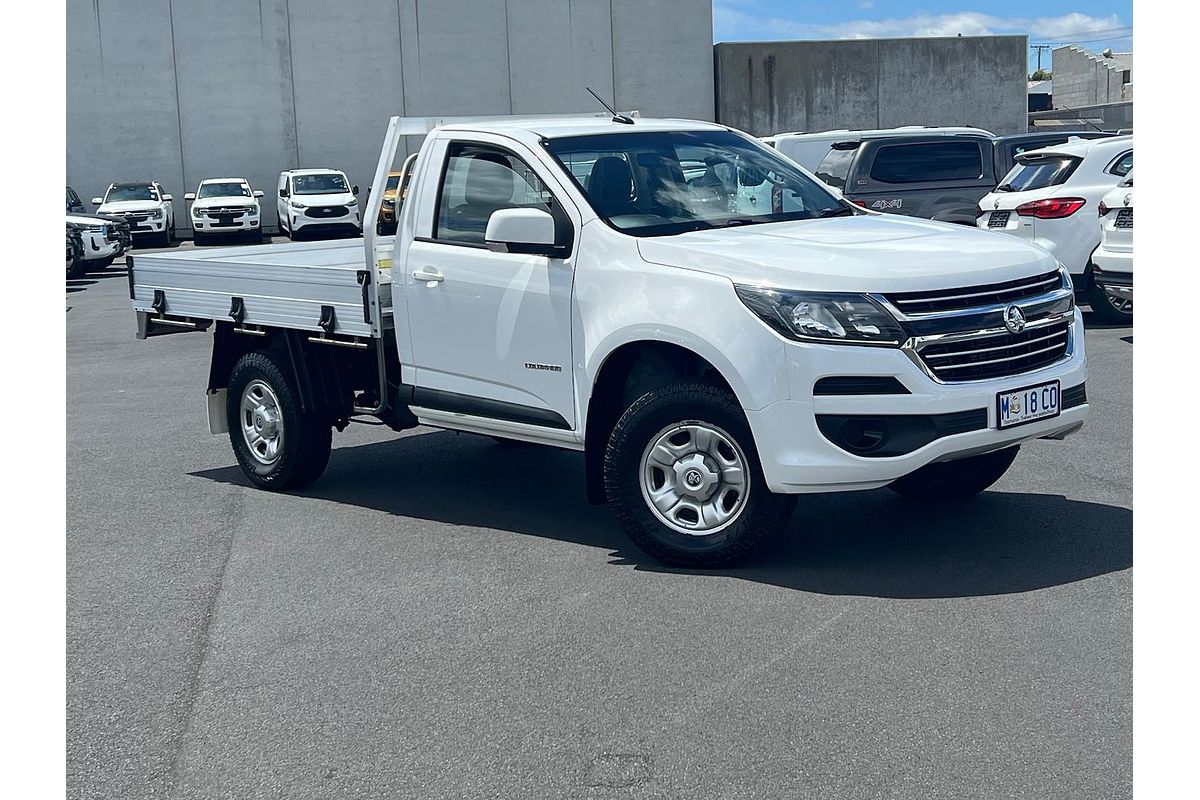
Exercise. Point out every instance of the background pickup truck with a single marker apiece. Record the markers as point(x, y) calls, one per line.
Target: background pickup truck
point(714, 329)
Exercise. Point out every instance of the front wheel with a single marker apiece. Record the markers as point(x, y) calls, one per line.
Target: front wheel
point(1114, 310)
point(682, 472)
point(955, 480)
point(277, 446)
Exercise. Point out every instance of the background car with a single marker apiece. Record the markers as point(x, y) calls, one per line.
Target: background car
point(225, 207)
point(74, 204)
point(1047, 197)
point(1112, 263)
point(317, 201)
point(144, 205)
point(810, 149)
point(74, 252)
point(394, 192)
point(103, 240)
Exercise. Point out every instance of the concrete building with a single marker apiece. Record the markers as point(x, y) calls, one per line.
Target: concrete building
point(180, 91)
point(1083, 78)
point(770, 87)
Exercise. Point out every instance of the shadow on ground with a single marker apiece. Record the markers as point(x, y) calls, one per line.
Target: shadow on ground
point(863, 543)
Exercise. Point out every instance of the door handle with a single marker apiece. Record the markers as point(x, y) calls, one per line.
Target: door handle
point(428, 276)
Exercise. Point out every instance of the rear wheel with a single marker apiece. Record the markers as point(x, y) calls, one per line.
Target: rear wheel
point(1115, 310)
point(683, 474)
point(955, 480)
point(100, 264)
point(277, 446)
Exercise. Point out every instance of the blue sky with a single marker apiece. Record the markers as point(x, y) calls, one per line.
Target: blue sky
point(1108, 22)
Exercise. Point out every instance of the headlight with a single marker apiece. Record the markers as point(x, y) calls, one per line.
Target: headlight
point(353, 202)
point(198, 212)
point(818, 317)
point(156, 213)
point(294, 204)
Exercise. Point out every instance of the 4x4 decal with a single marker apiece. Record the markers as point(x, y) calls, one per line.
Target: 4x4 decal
point(882, 204)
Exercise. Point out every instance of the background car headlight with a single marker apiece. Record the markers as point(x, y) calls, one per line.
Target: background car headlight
point(353, 202)
point(156, 213)
point(294, 204)
point(820, 317)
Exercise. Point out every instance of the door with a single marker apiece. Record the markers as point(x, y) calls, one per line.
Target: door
point(490, 331)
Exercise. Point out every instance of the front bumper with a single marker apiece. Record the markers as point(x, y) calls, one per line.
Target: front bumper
point(240, 224)
point(98, 245)
point(305, 219)
point(798, 458)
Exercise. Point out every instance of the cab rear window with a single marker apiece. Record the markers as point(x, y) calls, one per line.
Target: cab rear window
point(1038, 173)
point(922, 163)
point(834, 168)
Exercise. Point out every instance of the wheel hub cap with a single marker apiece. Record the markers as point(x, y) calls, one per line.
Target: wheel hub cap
point(262, 424)
point(694, 478)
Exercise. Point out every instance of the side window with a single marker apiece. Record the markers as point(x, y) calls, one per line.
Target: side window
point(478, 181)
point(1122, 165)
point(835, 167)
point(919, 163)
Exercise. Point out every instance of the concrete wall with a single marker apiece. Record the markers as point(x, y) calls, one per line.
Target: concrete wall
point(771, 87)
point(1082, 78)
point(181, 91)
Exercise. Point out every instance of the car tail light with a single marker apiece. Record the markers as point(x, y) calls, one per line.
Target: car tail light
point(1053, 208)
point(1103, 209)
point(862, 203)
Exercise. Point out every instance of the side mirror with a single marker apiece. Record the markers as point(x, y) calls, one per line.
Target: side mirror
point(521, 230)
point(97, 201)
point(190, 196)
point(258, 192)
point(354, 190)
point(168, 198)
point(283, 192)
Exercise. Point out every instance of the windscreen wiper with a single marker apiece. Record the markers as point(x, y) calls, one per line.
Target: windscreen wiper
point(844, 211)
point(1004, 187)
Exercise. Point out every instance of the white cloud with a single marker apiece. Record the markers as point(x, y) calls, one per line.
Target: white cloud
point(735, 19)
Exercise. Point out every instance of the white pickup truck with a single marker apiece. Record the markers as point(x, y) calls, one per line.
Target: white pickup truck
point(709, 325)
point(145, 205)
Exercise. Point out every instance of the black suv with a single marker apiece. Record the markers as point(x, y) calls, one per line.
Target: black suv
point(935, 177)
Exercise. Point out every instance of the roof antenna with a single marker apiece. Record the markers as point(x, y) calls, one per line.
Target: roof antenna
point(621, 118)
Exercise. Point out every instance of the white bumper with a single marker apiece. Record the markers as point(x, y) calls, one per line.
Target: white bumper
point(213, 225)
point(97, 246)
point(1113, 260)
point(305, 218)
point(798, 458)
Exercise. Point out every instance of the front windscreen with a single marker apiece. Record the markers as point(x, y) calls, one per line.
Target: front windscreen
point(325, 183)
point(130, 191)
point(1038, 173)
point(658, 183)
point(223, 190)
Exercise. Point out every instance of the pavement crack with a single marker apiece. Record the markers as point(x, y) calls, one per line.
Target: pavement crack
point(227, 530)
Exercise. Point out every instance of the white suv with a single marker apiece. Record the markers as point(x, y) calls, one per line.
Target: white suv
point(317, 201)
point(222, 206)
point(1112, 263)
point(1048, 198)
point(144, 205)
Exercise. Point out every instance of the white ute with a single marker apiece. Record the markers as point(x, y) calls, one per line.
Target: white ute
point(147, 208)
point(1112, 263)
point(713, 349)
point(317, 201)
point(223, 206)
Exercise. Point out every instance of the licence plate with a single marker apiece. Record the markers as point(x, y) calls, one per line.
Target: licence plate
point(1028, 405)
point(225, 220)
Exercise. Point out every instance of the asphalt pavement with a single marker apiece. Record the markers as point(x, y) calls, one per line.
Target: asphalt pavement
point(444, 617)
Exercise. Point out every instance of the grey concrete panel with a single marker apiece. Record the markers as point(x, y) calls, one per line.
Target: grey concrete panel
point(235, 93)
point(346, 74)
point(555, 50)
point(122, 114)
point(662, 57)
point(969, 80)
point(771, 87)
point(461, 59)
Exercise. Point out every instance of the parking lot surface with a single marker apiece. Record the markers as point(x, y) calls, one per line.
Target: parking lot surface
point(444, 617)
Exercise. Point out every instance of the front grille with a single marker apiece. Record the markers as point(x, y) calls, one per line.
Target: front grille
point(998, 354)
point(998, 219)
point(322, 212)
point(942, 300)
point(226, 211)
point(1124, 218)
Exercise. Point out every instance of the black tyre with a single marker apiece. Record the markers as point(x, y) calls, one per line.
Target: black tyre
point(955, 480)
point(76, 268)
point(276, 446)
point(684, 478)
point(198, 239)
point(99, 264)
point(1113, 310)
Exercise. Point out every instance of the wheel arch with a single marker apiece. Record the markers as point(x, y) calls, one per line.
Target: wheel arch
point(629, 370)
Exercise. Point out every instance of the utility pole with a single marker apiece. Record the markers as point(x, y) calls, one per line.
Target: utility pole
point(1039, 48)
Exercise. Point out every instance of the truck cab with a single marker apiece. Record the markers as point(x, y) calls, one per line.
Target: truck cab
point(715, 331)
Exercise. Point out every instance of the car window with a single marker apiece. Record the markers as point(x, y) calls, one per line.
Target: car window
point(834, 168)
point(1122, 164)
point(130, 191)
point(661, 183)
point(921, 163)
point(478, 181)
point(323, 183)
point(224, 190)
point(1038, 173)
